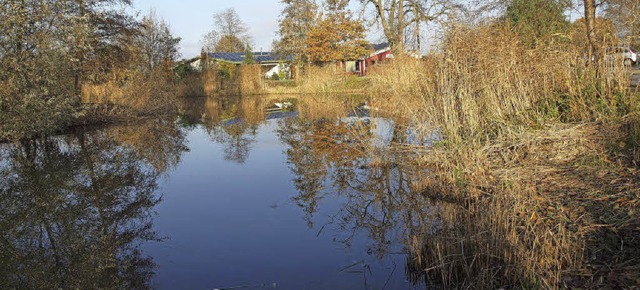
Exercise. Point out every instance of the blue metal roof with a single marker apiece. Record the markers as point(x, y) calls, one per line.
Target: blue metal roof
point(380, 46)
point(238, 57)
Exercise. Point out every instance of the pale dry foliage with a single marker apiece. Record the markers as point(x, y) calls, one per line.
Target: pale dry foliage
point(129, 94)
point(525, 157)
point(533, 209)
point(243, 80)
point(211, 82)
point(487, 81)
point(201, 84)
point(315, 80)
point(250, 79)
point(323, 106)
point(191, 86)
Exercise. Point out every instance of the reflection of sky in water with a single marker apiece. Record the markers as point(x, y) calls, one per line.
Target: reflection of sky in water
point(235, 224)
point(301, 204)
point(383, 130)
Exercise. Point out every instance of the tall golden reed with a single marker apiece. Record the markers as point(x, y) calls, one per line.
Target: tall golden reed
point(513, 121)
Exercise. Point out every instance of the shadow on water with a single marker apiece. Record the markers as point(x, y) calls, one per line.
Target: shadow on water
point(74, 209)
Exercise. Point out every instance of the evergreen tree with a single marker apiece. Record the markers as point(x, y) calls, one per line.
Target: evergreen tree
point(249, 58)
point(536, 19)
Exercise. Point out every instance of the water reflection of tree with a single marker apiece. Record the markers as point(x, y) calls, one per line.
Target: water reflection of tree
point(231, 121)
point(74, 210)
point(236, 138)
point(307, 167)
point(375, 180)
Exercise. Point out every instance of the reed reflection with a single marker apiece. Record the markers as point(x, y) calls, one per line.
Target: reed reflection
point(75, 209)
point(230, 121)
point(382, 185)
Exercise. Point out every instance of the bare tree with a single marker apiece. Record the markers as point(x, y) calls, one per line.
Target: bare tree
point(229, 34)
point(625, 15)
point(590, 22)
point(396, 17)
point(156, 42)
point(210, 40)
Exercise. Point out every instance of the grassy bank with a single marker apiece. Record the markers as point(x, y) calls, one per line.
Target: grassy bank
point(540, 149)
point(228, 79)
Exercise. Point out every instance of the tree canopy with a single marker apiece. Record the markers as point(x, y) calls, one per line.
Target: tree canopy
point(156, 42)
point(298, 18)
point(398, 17)
point(536, 19)
point(336, 37)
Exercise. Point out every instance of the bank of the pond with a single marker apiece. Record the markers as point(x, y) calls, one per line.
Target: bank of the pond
point(541, 153)
point(248, 80)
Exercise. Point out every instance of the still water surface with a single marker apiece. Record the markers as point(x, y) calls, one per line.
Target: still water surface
point(220, 197)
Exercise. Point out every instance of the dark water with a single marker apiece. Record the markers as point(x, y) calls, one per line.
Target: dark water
point(224, 196)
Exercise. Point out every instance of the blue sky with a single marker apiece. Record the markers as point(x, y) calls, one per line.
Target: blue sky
point(191, 19)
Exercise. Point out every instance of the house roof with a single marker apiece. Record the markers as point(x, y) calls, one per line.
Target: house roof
point(238, 57)
point(380, 46)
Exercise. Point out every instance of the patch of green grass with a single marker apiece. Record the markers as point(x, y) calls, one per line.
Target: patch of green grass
point(356, 82)
point(283, 83)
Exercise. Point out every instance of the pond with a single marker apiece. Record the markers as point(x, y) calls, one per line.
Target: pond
point(231, 194)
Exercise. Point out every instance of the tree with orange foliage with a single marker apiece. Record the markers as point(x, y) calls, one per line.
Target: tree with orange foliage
point(337, 37)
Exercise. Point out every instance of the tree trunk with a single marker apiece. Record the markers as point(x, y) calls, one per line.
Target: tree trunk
point(400, 28)
point(78, 72)
point(590, 22)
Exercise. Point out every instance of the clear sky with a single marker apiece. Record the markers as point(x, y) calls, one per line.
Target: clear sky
point(191, 19)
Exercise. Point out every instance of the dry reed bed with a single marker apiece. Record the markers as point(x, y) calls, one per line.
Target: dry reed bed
point(126, 96)
point(320, 106)
point(223, 79)
point(542, 202)
point(547, 208)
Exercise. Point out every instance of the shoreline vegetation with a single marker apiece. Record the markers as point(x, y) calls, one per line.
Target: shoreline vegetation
point(539, 146)
point(69, 62)
point(248, 79)
point(539, 151)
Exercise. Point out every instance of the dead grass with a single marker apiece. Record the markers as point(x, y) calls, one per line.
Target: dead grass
point(537, 157)
point(487, 83)
point(229, 79)
point(250, 80)
point(127, 95)
point(547, 208)
point(314, 80)
point(192, 85)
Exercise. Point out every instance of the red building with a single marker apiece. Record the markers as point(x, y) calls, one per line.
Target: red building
point(380, 53)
